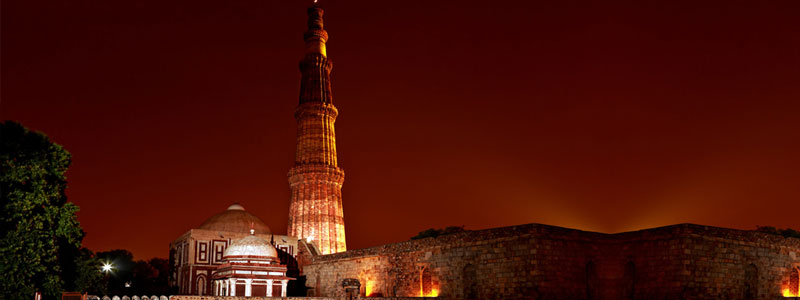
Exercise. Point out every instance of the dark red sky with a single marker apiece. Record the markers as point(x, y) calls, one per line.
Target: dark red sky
point(603, 116)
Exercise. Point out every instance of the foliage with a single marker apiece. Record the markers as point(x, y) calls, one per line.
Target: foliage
point(122, 260)
point(788, 232)
point(433, 232)
point(87, 277)
point(35, 218)
point(80, 270)
point(152, 277)
point(142, 277)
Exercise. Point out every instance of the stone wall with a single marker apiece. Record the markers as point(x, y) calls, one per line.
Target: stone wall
point(725, 264)
point(544, 262)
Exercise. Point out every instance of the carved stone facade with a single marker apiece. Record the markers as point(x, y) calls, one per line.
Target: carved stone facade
point(251, 268)
point(315, 211)
point(197, 253)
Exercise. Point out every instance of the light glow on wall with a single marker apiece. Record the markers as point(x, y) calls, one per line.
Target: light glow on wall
point(434, 293)
point(792, 288)
point(370, 288)
point(788, 293)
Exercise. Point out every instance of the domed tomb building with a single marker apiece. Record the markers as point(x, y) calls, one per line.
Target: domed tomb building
point(196, 254)
point(251, 267)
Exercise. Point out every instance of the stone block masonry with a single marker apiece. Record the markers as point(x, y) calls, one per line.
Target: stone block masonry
point(535, 261)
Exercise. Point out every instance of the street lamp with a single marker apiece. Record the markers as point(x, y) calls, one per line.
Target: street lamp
point(107, 267)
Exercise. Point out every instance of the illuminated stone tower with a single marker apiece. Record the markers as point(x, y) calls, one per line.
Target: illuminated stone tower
point(315, 211)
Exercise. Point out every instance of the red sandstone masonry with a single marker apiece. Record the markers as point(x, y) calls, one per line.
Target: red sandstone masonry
point(544, 262)
point(315, 210)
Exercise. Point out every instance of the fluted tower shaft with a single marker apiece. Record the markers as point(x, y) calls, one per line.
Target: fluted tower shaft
point(315, 211)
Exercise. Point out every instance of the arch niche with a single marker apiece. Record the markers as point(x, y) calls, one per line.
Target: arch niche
point(200, 288)
point(794, 281)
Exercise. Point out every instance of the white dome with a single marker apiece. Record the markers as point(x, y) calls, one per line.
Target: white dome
point(251, 246)
point(236, 206)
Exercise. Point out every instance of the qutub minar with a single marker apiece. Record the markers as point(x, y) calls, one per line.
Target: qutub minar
point(315, 211)
point(234, 253)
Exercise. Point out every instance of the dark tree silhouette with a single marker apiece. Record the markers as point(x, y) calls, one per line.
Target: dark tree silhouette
point(788, 232)
point(433, 232)
point(136, 277)
point(39, 232)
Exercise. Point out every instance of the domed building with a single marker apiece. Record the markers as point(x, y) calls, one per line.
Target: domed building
point(196, 254)
point(235, 219)
point(251, 267)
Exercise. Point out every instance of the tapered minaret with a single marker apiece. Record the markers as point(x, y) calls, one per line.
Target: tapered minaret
point(315, 211)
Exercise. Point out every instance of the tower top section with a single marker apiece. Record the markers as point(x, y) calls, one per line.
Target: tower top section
point(316, 36)
point(315, 86)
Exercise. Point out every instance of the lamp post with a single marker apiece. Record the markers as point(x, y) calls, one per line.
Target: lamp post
point(107, 267)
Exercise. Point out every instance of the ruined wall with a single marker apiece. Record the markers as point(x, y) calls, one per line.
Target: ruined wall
point(735, 264)
point(545, 262)
point(638, 265)
point(527, 261)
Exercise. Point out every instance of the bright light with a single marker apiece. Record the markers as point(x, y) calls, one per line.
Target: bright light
point(433, 293)
point(788, 293)
point(309, 239)
point(370, 289)
point(107, 267)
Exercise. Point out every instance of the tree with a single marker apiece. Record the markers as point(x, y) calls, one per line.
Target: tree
point(161, 280)
point(788, 232)
point(135, 277)
point(80, 270)
point(35, 218)
point(86, 277)
point(433, 232)
point(122, 274)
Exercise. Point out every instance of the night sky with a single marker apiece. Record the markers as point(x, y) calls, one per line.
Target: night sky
point(604, 116)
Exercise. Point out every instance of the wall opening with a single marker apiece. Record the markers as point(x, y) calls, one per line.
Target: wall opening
point(240, 289)
point(425, 282)
point(200, 288)
point(371, 288)
point(751, 282)
point(794, 282)
point(259, 290)
point(591, 280)
point(470, 282)
point(629, 279)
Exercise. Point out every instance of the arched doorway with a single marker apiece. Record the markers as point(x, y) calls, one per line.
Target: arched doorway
point(794, 281)
point(200, 287)
point(425, 282)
